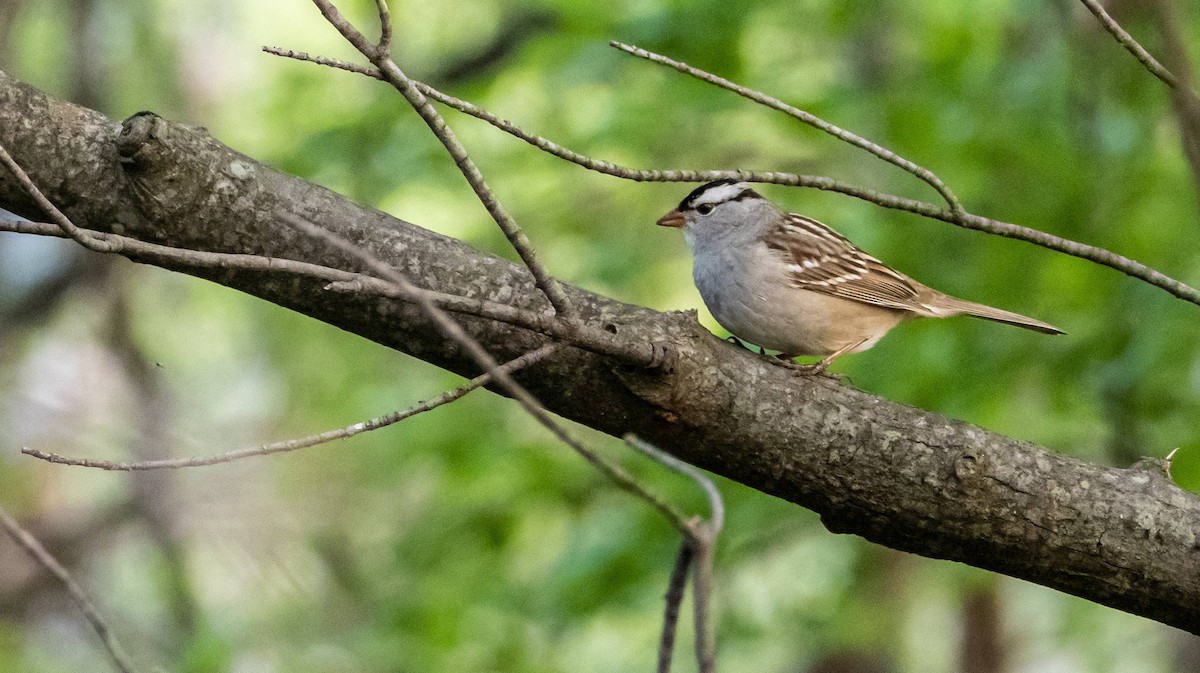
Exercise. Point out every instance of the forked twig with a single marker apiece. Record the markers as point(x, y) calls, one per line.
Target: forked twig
point(81, 236)
point(698, 534)
point(310, 440)
point(25, 540)
point(616, 170)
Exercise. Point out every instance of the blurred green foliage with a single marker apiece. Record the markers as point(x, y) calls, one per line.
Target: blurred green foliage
point(466, 539)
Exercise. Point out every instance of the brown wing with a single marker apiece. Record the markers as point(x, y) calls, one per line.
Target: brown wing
point(821, 260)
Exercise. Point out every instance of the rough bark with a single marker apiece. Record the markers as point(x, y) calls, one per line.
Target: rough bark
point(899, 476)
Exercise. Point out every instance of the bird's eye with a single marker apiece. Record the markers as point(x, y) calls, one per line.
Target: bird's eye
point(705, 208)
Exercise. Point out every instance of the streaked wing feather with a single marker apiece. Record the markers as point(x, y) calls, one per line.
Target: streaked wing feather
point(821, 260)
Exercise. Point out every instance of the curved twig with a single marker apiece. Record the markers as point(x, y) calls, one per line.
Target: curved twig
point(700, 538)
point(303, 442)
point(716, 504)
point(963, 219)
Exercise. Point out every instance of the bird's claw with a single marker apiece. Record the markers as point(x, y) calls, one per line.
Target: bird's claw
point(806, 369)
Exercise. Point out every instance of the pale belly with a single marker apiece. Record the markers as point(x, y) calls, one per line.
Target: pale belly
point(792, 321)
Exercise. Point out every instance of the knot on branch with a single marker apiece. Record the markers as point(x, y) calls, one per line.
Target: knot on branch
point(136, 134)
point(662, 356)
point(970, 466)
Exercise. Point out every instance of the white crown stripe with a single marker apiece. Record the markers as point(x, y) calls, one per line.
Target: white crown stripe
point(719, 194)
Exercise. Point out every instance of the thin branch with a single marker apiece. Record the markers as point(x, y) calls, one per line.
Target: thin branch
point(807, 117)
point(453, 331)
point(583, 336)
point(35, 550)
point(964, 219)
point(1186, 100)
point(385, 29)
point(310, 440)
point(337, 63)
point(394, 76)
point(1131, 45)
point(674, 598)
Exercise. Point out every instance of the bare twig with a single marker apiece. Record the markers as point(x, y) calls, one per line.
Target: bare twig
point(674, 597)
point(608, 168)
point(445, 323)
point(583, 336)
point(394, 76)
point(369, 71)
point(964, 219)
point(310, 440)
point(1131, 45)
point(35, 550)
point(807, 117)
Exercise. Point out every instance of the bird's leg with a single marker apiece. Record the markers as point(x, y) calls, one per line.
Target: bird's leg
point(828, 359)
point(819, 367)
point(738, 342)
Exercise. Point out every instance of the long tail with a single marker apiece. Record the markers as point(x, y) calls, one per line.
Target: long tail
point(948, 306)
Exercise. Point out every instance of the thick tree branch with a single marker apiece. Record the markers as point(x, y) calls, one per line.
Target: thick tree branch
point(896, 475)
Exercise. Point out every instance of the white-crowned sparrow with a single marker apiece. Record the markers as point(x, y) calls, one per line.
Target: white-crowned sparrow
point(789, 283)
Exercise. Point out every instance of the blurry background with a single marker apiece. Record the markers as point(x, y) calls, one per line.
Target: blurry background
point(466, 540)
